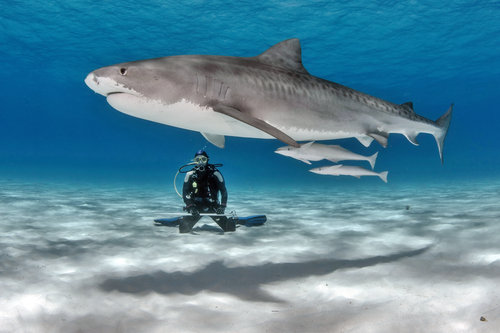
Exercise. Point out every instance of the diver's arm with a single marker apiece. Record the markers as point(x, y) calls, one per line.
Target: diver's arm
point(186, 190)
point(222, 188)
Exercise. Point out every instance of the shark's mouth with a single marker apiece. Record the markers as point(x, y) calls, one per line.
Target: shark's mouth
point(123, 98)
point(107, 86)
point(116, 93)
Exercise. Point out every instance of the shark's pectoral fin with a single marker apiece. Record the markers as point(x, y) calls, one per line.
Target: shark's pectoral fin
point(215, 139)
point(255, 122)
point(305, 161)
point(380, 137)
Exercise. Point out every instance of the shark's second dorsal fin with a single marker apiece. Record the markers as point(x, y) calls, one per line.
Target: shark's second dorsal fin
point(286, 54)
point(408, 105)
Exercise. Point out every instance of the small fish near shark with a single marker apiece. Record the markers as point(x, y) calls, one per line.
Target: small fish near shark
point(313, 151)
point(349, 170)
point(267, 96)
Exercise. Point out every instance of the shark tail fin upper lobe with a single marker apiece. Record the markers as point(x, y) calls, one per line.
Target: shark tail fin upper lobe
point(443, 123)
point(383, 176)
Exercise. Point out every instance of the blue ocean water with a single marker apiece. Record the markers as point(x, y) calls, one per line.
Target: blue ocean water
point(80, 182)
point(52, 125)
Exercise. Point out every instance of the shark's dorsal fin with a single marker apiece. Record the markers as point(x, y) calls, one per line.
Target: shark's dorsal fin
point(408, 105)
point(286, 54)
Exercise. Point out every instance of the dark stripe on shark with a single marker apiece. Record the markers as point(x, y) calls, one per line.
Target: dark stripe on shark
point(255, 122)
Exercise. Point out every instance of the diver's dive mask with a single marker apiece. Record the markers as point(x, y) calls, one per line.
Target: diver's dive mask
point(200, 160)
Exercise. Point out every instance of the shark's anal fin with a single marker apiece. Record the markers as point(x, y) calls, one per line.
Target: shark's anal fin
point(380, 137)
point(215, 139)
point(255, 122)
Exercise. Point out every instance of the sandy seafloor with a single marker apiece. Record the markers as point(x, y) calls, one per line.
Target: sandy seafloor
point(78, 258)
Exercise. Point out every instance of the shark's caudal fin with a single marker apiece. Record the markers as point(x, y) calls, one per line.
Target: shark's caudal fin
point(372, 159)
point(383, 176)
point(443, 123)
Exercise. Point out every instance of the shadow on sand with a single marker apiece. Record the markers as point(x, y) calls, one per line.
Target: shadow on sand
point(243, 282)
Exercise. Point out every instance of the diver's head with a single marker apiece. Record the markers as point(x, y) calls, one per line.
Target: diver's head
point(201, 158)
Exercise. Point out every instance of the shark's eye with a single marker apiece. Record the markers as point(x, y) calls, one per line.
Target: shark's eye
point(123, 71)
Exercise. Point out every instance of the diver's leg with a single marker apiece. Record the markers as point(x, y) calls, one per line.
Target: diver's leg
point(225, 223)
point(187, 223)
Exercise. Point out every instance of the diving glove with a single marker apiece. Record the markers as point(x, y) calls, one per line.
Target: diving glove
point(220, 210)
point(193, 211)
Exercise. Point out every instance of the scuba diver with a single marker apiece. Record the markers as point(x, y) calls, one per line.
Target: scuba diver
point(200, 193)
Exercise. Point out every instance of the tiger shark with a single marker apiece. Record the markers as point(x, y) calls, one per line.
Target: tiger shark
point(270, 95)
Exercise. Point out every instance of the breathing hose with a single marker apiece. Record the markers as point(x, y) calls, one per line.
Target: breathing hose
point(182, 171)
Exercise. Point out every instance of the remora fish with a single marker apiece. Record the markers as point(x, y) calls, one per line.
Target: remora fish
point(349, 170)
point(266, 96)
point(313, 151)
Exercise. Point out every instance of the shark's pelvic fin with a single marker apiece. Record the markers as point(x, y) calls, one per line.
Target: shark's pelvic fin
point(255, 122)
point(286, 54)
point(215, 139)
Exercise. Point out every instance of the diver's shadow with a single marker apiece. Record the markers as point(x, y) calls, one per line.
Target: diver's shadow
point(243, 282)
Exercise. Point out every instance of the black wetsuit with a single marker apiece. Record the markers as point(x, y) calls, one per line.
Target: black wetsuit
point(200, 193)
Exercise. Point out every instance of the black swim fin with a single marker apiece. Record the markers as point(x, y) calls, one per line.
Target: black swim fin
point(247, 221)
point(252, 221)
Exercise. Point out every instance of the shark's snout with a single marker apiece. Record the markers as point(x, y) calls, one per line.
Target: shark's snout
point(316, 170)
point(92, 82)
point(105, 85)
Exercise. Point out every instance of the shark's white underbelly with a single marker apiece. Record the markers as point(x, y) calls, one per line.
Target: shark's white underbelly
point(191, 116)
